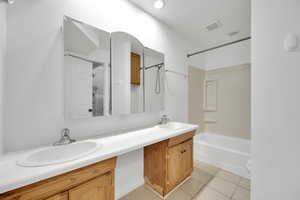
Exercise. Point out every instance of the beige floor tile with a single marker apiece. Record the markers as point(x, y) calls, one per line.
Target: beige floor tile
point(245, 183)
point(202, 175)
point(196, 163)
point(179, 195)
point(241, 194)
point(210, 194)
point(228, 176)
point(124, 198)
point(141, 193)
point(208, 168)
point(222, 186)
point(192, 186)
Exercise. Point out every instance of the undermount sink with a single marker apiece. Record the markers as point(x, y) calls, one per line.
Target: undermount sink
point(59, 154)
point(173, 126)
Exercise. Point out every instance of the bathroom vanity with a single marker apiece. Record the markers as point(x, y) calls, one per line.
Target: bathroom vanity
point(168, 158)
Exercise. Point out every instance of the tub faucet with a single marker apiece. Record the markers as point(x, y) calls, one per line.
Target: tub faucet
point(65, 138)
point(164, 119)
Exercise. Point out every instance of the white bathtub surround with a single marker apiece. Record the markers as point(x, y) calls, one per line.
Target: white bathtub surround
point(225, 152)
point(231, 96)
point(14, 176)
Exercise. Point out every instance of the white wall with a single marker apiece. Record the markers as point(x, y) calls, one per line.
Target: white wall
point(34, 77)
point(196, 91)
point(2, 65)
point(34, 86)
point(275, 101)
point(228, 56)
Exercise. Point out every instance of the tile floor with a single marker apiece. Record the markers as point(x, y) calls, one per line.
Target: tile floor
point(207, 183)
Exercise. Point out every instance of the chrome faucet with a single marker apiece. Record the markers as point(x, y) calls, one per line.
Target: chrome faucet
point(164, 119)
point(65, 138)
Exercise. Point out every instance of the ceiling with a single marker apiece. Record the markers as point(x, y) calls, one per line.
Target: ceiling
point(190, 17)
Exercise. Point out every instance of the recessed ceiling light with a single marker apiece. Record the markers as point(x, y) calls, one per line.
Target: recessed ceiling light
point(158, 4)
point(10, 1)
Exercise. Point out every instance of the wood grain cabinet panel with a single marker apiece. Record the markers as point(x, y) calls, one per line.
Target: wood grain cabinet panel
point(154, 166)
point(187, 158)
point(135, 69)
point(100, 188)
point(168, 163)
point(175, 170)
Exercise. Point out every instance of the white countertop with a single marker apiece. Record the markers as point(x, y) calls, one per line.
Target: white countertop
point(13, 176)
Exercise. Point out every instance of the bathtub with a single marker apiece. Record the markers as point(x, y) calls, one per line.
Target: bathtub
point(229, 153)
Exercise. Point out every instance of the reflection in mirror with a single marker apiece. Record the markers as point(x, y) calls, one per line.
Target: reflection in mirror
point(87, 70)
point(127, 74)
point(154, 80)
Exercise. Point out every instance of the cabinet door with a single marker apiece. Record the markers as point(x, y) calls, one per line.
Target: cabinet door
point(174, 166)
point(100, 188)
point(187, 158)
point(179, 163)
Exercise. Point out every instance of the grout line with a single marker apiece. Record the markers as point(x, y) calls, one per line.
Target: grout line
point(220, 192)
point(236, 188)
point(228, 180)
point(201, 189)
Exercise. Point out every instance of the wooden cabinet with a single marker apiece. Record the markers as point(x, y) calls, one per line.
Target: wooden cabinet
point(168, 163)
point(135, 69)
point(88, 183)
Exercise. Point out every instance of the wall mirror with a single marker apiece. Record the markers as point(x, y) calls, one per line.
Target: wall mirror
point(127, 59)
point(109, 73)
point(87, 70)
point(154, 67)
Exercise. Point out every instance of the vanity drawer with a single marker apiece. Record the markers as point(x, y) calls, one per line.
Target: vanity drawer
point(181, 138)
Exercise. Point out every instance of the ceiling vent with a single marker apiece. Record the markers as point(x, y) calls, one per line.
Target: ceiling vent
point(213, 26)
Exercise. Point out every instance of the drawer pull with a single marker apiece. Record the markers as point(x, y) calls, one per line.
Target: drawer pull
point(183, 151)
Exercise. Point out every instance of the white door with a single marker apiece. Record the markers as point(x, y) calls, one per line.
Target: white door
point(79, 88)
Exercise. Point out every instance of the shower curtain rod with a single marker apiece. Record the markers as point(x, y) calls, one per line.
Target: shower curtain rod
point(175, 72)
point(157, 65)
point(217, 47)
